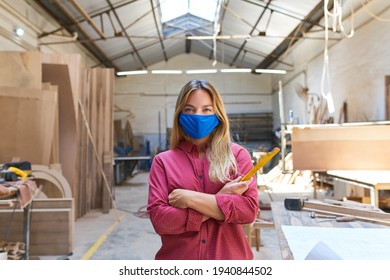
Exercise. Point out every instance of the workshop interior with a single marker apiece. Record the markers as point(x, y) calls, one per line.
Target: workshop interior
point(87, 100)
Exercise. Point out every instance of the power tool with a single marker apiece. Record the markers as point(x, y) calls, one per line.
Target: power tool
point(14, 171)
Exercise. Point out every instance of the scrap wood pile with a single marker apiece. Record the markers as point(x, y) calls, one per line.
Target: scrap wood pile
point(14, 250)
point(288, 176)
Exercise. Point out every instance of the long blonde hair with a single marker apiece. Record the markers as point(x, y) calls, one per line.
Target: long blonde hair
point(219, 153)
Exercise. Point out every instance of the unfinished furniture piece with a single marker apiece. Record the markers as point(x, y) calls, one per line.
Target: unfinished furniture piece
point(349, 153)
point(46, 226)
point(362, 146)
point(19, 193)
point(373, 180)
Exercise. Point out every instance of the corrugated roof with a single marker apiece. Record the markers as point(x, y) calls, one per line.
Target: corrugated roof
point(129, 35)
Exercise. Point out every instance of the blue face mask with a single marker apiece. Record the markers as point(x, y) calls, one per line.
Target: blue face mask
point(198, 126)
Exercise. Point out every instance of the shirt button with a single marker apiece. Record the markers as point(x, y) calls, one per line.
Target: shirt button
point(200, 176)
point(203, 241)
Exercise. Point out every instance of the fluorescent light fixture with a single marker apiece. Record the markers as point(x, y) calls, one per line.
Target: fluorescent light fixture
point(238, 70)
point(270, 71)
point(138, 72)
point(167, 72)
point(219, 37)
point(202, 71)
point(19, 31)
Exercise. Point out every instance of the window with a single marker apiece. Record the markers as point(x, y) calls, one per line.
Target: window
point(189, 16)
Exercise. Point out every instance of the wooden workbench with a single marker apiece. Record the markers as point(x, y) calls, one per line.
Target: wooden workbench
point(281, 217)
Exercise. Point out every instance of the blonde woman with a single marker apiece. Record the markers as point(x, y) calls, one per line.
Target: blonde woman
point(196, 202)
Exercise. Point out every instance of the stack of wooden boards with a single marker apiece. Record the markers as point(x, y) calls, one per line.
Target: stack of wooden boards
point(287, 176)
point(58, 115)
point(14, 250)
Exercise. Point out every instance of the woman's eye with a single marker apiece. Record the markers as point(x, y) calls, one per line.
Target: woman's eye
point(187, 110)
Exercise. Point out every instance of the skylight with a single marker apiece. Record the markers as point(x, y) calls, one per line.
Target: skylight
point(171, 9)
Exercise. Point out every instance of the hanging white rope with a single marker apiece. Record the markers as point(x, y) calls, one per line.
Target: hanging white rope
point(337, 25)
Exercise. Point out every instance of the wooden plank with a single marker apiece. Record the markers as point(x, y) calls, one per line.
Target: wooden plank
point(346, 210)
point(54, 155)
point(58, 203)
point(83, 152)
point(356, 218)
point(108, 132)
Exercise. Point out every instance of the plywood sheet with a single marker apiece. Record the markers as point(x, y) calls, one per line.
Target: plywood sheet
point(321, 148)
point(58, 74)
point(27, 124)
point(23, 69)
point(73, 62)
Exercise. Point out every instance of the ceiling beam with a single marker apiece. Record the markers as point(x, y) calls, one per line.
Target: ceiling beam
point(253, 30)
point(158, 32)
point(124, 32)
point(68, 22)
point(311, 20)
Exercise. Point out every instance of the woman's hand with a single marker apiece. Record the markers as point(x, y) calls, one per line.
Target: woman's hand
point(179, 198)
point(201, 202)
point(235, 186)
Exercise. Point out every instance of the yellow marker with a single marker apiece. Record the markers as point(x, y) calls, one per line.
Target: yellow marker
point(261, 163)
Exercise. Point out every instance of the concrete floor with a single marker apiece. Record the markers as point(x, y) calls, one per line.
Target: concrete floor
point(127, 234)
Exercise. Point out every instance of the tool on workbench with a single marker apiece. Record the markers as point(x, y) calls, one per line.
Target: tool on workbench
point(14, 171)
point(263, 161)
point(326, 218)
point(314, 215)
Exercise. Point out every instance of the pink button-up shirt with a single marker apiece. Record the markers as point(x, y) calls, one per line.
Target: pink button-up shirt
point(182, 232)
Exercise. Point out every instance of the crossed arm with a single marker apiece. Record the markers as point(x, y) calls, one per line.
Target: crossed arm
point(206, 203)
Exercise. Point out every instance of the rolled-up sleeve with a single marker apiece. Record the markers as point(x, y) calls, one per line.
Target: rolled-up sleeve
point(241, 209)
point(165, 218)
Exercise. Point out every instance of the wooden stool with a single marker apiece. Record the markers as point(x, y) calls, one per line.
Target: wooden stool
point(253, 231)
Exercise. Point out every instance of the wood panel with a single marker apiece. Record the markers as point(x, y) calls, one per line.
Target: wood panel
point(321, 148)
point(27, 66)
point(58, 74)
point(73, 61)
point(27, 124)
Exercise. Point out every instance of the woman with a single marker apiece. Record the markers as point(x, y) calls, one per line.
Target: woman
point(196, 202)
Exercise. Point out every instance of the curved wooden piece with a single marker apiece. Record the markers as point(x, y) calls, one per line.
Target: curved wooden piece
point(62, 187)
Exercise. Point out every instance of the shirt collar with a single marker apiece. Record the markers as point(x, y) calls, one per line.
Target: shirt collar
point(186, 146)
